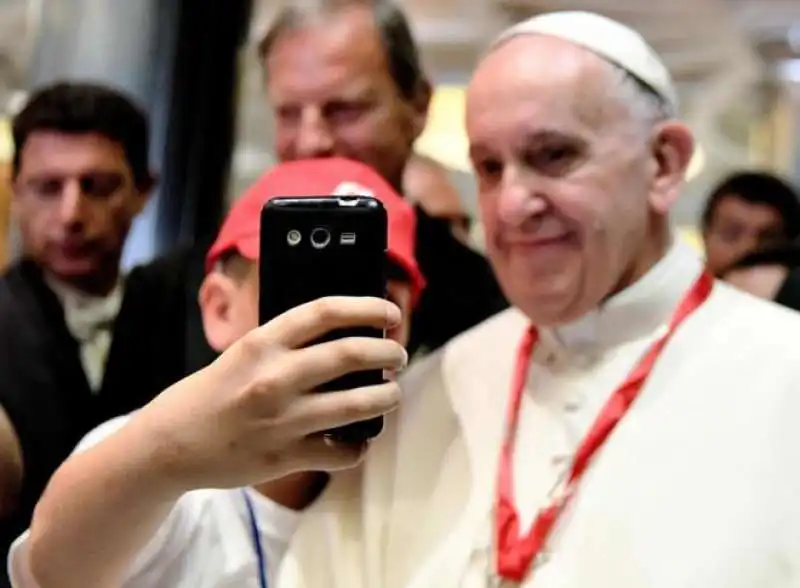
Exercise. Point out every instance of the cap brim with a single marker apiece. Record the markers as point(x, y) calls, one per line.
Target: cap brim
point(249, 248)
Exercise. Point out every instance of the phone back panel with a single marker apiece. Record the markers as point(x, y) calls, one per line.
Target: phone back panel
point(298, 266)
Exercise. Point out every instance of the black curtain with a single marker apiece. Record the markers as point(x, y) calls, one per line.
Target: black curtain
point(200, 120)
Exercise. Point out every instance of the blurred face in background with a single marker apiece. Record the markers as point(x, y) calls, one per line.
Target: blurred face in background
point(332, 93)
point(573, 189)
point(738, 227)
point(75, 199)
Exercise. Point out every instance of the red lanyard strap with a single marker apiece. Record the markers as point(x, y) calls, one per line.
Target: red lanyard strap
point(515, 552)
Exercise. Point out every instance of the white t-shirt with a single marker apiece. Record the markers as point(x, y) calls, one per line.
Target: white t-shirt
point(206, 541)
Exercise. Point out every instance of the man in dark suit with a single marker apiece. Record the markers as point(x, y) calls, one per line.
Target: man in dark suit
point(79, 342)
point(345, 78)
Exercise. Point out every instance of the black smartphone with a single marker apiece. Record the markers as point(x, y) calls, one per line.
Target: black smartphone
point(313, 247)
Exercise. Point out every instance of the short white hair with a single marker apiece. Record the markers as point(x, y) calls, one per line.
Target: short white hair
point(646, 106)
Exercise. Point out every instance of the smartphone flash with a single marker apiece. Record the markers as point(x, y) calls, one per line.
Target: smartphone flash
point(347, 239)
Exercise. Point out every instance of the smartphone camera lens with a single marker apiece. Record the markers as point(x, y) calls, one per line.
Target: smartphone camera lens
point(320, 238)
point(293, 237)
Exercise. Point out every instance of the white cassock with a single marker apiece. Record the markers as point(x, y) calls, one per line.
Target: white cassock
point(698, 486)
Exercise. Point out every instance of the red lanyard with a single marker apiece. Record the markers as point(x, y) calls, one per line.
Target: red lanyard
point(515, 552)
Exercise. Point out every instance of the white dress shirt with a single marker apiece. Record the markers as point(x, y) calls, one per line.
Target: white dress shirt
point(90, 319)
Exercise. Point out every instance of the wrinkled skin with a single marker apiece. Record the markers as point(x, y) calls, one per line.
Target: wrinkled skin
point(332, 93)
point(574, 190)
point(75, 199)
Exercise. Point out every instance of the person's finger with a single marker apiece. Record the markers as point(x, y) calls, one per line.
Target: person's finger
point(302, 370)
point(323, 363)
point(322, 411)
point(320, 455)
point(392, 374)
point(308, 322)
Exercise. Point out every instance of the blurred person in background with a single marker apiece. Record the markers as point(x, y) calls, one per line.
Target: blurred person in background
point(623, 425)
point(345, 78)
point(428, 183)
point(79, 342)
point(745, 212)
point(203, 538)
point(772, 274)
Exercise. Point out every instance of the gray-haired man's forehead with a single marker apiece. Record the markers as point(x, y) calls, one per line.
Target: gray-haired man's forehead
point(391, 25)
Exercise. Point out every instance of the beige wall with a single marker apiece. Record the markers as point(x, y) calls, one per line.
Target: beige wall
point(5, 213)
point(772, 136)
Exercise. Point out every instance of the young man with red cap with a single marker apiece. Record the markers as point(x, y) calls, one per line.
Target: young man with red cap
point(208, 538)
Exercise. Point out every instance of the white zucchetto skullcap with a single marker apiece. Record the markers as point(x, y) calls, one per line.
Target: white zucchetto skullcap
point(608, 39)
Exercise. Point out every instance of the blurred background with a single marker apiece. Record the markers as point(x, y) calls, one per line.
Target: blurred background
point(190, 62)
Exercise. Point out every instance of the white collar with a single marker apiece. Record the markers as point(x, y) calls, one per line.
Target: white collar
point(475, 369)
point(635, 312)
point(84, 313)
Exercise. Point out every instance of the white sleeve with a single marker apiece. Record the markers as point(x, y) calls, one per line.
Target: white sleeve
point(168, 541)
point(787, 484)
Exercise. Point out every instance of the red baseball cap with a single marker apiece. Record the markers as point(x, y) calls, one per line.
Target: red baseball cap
point(319, 177)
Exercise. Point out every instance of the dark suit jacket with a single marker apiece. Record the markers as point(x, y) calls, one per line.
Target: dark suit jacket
point(789, 293)
point(462, 290)
point(44, 389)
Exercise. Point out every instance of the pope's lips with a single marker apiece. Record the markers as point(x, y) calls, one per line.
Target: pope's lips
point(536, 242)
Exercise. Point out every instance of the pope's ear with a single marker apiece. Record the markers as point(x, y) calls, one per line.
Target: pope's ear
point(672, 149)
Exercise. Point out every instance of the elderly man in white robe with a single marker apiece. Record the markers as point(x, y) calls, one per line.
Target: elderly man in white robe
point(629, 423)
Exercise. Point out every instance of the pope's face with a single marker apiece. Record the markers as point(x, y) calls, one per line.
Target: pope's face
point(564, 174)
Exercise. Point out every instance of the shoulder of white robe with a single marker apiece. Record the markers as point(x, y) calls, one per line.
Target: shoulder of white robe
point(419, 373)
point(465, 357)
point(504, 327)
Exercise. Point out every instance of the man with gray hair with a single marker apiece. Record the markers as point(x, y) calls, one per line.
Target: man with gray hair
point(345, 78)
point(620, 427)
